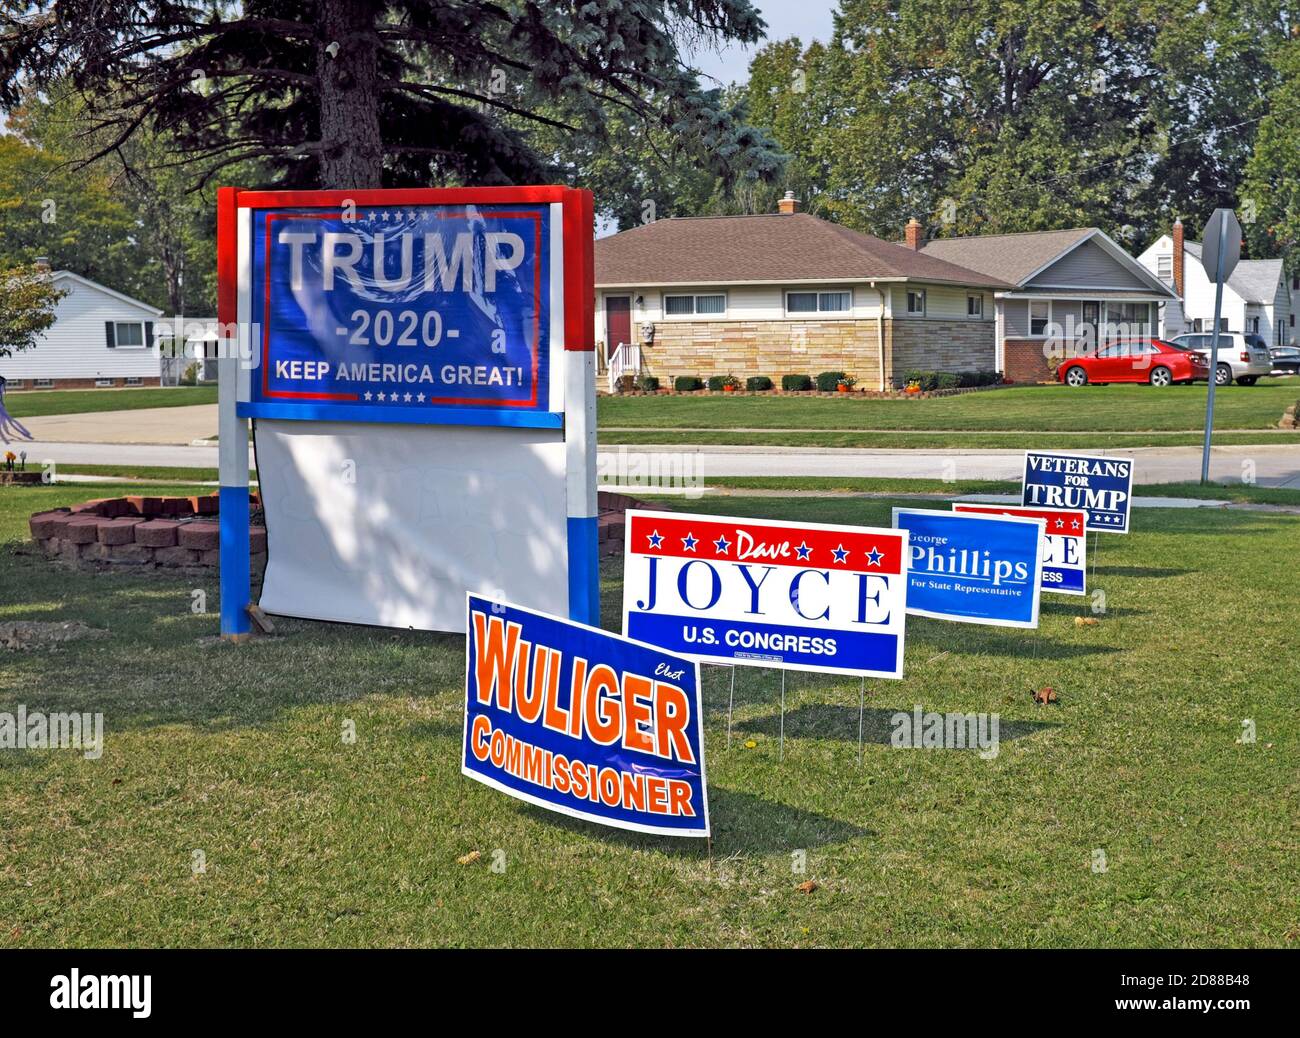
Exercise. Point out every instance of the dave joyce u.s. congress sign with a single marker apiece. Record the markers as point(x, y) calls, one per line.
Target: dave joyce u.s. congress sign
point(1065, 543)
point(583, 722)
point(980, 569)
point(378, 309)
point(799, 596)
point(1101, 486)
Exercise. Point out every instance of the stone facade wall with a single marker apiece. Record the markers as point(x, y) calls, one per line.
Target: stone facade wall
point(1025, 361)
point(772, 348)
point(935, 345)
point(776, 348)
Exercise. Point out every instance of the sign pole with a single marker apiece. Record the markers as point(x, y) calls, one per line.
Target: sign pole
point(1219, 254)
point(232, 451)
point(731, 702)
point(781, 751)
point(862, 708)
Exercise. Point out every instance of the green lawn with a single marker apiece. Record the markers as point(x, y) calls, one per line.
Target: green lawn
point(937, 440)
point(30, 403)
point(236, 752)
point(1238, 492)
point(1034, 409)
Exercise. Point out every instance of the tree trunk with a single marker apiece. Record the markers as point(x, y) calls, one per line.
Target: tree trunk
point(352, 149)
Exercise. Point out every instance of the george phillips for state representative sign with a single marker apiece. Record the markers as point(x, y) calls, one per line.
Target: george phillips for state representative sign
point(762, 593)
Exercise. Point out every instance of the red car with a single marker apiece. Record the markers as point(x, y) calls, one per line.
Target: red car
point(1153, 361)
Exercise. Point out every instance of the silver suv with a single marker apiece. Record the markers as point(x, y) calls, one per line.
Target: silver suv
point(1243, 357)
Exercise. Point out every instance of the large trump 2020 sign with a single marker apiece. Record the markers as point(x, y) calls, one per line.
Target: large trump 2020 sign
point(797, 596)
point(419, 371)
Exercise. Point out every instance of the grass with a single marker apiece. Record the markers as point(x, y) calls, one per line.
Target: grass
point(30, 404)
point(236, 752)
point(937, 440)
point(1244, 493)
point(1034, 409)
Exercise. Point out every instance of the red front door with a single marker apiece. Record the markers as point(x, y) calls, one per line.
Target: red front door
point(618, 322)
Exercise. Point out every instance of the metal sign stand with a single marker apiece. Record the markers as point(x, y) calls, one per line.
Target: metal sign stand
point(1220, 252)
point(862, 709)
point(781, 753)
point(731, 703)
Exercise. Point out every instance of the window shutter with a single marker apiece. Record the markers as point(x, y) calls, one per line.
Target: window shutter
point(148, 334)
point(108, 332)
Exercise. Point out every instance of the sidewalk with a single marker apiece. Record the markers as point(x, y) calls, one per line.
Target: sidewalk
point(150, 425)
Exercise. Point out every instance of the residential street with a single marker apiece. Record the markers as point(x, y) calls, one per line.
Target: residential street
point(1275, 466)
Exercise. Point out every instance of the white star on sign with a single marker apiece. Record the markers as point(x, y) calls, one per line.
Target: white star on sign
point(368, 394)
point(420, 397)
point(381, 396)
point(1060, 524)
point(874, 556)
point(407, 398)
point(840, 553)
point(689, 542)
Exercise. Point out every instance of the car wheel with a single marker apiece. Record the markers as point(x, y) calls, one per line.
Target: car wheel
point(1223, 375)
point(1247, 380)
point(1161, 377)
point(1076, 376)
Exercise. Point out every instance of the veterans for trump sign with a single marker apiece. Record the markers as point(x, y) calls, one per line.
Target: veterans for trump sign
point(798, 596)
point(1065, 543)
point(1101, 486)
point(584, 722)
point(980, 569)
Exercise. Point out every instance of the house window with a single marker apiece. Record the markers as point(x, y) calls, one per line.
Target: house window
point(128, 333)
point(1295, 284)
point(1040, 313)
point(18, 383)
point(103, 383)
point(818, 302)
point(134, 380)
point(1293, 320)
point(1223, 324)
point(1165, 269)
point(974, 306)
point(1254, 325)
point(686, 306)
point(1197, 325)
point(916, 301)
point(43, 383)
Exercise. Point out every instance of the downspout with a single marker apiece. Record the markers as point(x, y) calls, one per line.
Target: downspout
point(880, 337)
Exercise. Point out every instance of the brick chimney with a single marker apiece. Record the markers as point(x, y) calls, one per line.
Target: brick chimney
point(789, 204)
point(913, 236)
point(1178, 257)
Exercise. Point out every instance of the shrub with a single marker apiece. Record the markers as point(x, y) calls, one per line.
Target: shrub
point(719, 382)
point(796, 383)
point(946, 380)
point(828, 381)
point(190, 377)
point(758, 383)
point(979, 378)
point(647, 384)
point(687, 384)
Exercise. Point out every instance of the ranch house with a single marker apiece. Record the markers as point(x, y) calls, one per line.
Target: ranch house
point(785, 293)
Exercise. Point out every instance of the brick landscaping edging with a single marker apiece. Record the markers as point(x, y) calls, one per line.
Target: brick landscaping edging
point(856, 394)
point(183, 533)
point(164, 532)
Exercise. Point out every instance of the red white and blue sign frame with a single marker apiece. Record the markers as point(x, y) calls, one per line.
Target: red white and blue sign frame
point(545, 332)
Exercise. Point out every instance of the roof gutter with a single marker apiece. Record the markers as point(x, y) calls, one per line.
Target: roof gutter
point(880, 334)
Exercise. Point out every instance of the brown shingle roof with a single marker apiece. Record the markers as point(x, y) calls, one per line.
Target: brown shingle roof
point(1011, 257)
point(779, 248)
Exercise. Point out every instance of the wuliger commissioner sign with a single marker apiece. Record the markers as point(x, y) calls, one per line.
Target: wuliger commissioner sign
point(418, 366)
point(583, 722)
point(796, 596)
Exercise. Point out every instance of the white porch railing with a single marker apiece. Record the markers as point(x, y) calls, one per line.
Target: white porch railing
point(625, 360)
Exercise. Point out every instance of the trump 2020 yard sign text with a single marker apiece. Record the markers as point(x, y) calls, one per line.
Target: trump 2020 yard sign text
point(418, 366)
point(796, 596)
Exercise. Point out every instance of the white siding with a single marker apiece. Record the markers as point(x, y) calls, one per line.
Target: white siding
point(76, 347)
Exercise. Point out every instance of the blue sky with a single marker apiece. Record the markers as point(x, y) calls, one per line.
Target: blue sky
point(808, 19)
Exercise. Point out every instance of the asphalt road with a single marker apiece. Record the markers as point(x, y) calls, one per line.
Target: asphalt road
point(1273, 466)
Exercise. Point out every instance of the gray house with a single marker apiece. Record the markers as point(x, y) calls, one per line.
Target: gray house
point(1070, 290)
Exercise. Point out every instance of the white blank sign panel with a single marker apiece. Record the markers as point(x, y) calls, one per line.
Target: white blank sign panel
point(391, 524)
